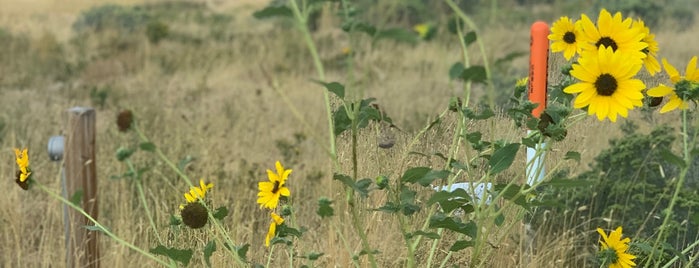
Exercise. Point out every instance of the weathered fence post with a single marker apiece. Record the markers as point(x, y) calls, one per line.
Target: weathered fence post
point(81, 177)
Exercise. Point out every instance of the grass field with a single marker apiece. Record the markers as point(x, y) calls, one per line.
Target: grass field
point(236, 94)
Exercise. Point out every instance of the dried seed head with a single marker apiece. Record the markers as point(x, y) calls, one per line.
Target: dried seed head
point(124, 120)
point(194, 215)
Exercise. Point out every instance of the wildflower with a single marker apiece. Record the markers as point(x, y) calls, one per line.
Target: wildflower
point(194, 214)
point(681, 83)
point(272, 190)
point(424, 30)
point(614, 249)
point(24, 172)
point(196, 193)
point(276, 221)
point(124, 120)
point(614, 33)
point(606, 85)
point(651, 62)
point(566, 37)
point(522, 82)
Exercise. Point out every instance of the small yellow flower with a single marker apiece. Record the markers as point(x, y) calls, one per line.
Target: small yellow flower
point(612, 32)
point(276, 221)
point(651, 62)
point(675, 102)
point(565, 35)
point(422, 29)
point(275, 188)
point(522, 82)
point(616, 248)
point(24, 172)
point(196, 193)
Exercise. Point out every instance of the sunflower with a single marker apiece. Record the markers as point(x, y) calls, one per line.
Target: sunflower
point(675, 102)
point(614, 249)
point(196, 193)
point(24, 173)
point(565, 35)
point(606, 86)
point(651, 62)
point(276, 221)
point(612, 32)
point(272, 190)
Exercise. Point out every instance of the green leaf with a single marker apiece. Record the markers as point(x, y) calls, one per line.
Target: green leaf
point(147, 146)
point(209, 250)
point(440, 220)
point(242, 251)
point(175, 221)
point(414, 174)
point(123, 153)
point(513, 193)
point(362, 187)
point(407, 202)
point(486, 113)
point(499, 219)
point(220, 213)
point(95, 228)
point(397, 34)
point(286, 231)
point(341, 120)
point(179, 255)
point(389, 207)
point(503, 157)
point(273, 11)
point(334, 87)
point(430, 235)
point(470, 37)
point(456, 70)
point(671, 158)
point(77, 197)
point(452, 200)
point(474, 74)
point(462, 244)
point(572, 155)
point(313, 256)
point(359, 26)
point(509, 57)
point(324, 207)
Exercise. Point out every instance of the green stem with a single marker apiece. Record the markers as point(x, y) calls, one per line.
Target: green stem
point(269, 256)
point(101, 227)
point(142, 197)
point(301, 20)
point(481, 46)
point(678, 187)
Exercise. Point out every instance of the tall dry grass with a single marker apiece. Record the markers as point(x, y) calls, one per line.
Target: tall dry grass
point(218, 107)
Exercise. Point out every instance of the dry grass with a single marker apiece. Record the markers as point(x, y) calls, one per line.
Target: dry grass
point(221, 110)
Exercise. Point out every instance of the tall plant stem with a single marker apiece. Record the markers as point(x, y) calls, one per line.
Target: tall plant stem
point(678, 187)
point(101, 227)
point(301, 19)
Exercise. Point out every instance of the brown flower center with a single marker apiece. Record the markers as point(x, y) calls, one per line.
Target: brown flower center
point(569, 38)
point(607, 42)
point(606, 85)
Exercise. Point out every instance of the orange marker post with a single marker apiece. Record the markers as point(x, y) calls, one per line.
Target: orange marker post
point(538, 76)
point(538, 66)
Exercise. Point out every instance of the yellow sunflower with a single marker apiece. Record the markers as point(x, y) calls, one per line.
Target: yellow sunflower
point(607, 87)
point(614, 249)
point(276, 221)
point(194, 214)
point(675, 102)
point(565, 35)
point(612, 32)
point(272, 190)
point(651, 62)
point(23, 174)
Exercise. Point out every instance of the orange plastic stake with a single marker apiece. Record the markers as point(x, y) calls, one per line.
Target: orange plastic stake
point(538, 65)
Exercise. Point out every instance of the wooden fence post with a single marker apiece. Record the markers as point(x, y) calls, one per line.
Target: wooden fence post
point(81, 177)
